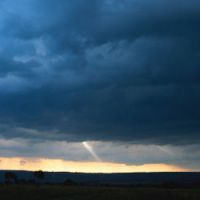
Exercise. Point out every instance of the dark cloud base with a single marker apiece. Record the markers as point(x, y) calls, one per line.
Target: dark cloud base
point(101, 70)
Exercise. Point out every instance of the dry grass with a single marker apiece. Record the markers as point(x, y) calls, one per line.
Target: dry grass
point(95, 193)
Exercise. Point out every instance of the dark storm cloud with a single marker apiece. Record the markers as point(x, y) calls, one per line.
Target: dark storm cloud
point(17, 68)
point(101, 70)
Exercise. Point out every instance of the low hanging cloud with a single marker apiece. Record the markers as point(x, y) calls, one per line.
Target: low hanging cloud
point(100, 70)
point(101, 152)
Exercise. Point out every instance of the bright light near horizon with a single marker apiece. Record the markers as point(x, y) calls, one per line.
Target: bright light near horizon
point(89, 148)
point(57, 165)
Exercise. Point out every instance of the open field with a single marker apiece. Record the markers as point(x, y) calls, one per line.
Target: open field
point(95, 193)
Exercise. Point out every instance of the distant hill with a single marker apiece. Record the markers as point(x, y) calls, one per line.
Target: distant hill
point(115, 178)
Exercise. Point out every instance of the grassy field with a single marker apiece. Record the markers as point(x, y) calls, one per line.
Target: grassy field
point(95, 193)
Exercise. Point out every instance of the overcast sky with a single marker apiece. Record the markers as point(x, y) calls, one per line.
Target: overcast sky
point(121, 74)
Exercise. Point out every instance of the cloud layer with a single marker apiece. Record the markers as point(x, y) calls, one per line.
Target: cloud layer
point(105, 70)
point(102, 152)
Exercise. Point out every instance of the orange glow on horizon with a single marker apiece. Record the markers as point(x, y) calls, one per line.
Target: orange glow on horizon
point(57, 165)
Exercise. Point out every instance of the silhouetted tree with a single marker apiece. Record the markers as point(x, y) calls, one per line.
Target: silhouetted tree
point(39, 175)
point(10, 177)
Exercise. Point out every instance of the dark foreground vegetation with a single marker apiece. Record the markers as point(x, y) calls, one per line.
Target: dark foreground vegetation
point(43, 192)
point(74, 186)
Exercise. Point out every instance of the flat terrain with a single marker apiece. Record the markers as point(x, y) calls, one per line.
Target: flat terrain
point(95, 193)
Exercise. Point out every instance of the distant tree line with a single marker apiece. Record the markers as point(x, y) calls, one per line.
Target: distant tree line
point(10, 178)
